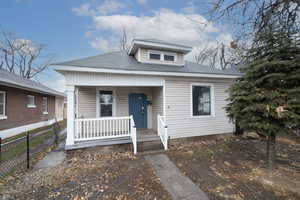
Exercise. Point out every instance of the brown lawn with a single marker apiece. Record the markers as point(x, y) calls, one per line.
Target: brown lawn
point(235, 168)
point(89, 174)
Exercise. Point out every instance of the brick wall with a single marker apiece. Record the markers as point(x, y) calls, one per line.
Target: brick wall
point(17, 112)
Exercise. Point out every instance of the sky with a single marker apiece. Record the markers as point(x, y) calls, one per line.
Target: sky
point(72, 29)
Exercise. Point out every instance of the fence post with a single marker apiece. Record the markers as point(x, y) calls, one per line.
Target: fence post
point(28, 150)
point(0, 150)
point(55, 133)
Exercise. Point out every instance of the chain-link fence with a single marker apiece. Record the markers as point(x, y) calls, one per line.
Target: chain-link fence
point(21, 152)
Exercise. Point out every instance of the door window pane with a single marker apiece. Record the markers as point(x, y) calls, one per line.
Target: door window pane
point(201, 100)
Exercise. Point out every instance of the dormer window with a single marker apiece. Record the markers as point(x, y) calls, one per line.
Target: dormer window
point(169, 58)
point(154, 56)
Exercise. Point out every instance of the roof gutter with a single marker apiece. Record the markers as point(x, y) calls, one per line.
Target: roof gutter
point(63, 69)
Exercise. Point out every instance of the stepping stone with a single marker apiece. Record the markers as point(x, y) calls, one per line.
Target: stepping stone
point(53, 159)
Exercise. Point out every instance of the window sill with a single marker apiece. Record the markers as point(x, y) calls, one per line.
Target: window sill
point(203, 116)
point(31, 106)
point(45, 113)
point(3, 117)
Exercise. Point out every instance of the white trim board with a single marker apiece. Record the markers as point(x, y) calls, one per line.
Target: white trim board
point(28, 127)
point(156, 73)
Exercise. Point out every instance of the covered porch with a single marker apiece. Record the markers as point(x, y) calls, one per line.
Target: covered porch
point(107, 115)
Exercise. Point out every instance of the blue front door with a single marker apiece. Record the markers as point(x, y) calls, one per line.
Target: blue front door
point(138, 108)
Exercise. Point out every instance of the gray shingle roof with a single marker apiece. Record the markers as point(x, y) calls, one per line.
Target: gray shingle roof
point(14, 80)
point(120, 60)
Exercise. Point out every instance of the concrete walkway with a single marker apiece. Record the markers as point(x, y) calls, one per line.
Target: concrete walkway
point(55, 157)
point(178, 185)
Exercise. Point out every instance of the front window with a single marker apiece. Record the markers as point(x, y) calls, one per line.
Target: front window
point(201, 100)
point(154, 56)
point(2, 104)
point(169, 58)
point(30, 101)
point(45, 105)
point(106, 103)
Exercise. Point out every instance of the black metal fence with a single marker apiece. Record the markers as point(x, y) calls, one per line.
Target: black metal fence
point(21, 152)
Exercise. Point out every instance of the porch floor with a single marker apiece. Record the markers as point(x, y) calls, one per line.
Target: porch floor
point(143, 135)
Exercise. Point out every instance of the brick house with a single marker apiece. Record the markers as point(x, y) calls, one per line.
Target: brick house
point(26, 105)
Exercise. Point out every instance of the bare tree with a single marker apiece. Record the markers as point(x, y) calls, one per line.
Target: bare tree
point(124, 43)
point(22, 56)
point(220, 55)
point(248, 19)
point(253, 16)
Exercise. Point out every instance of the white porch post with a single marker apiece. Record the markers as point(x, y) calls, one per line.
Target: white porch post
point(71, 114)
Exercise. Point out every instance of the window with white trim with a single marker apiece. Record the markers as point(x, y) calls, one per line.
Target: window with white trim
point(202, 100)
point(106, 103)
point(169, 58)
point(2, 104)
point(31, 101)
point(45, 105)
point(154, 56)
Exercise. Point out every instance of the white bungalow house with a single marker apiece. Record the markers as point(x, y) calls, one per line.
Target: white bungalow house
point(124, 97)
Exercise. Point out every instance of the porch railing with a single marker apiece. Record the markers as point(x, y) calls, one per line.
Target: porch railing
point(105, 128)
point(162, 131)
point(133, 134)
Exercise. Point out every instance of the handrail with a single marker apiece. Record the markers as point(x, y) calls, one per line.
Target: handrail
point(133, 134)
point(162, 130)
point(102, 118)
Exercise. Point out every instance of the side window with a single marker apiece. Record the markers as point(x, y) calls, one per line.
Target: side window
point(2, 105)
point(31, 101)
point(201, 100)
point(45, 105)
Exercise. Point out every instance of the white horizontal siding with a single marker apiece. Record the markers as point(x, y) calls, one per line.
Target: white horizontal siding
point(87, 101)
point(157, 105)
point(179, 114)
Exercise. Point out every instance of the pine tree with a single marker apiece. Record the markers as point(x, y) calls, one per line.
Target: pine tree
point(266, 99)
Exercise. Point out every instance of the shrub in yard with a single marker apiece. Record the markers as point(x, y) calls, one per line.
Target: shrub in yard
point(266, 99)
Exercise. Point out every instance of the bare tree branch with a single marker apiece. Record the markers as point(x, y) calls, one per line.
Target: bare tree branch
point(124, 40)
point(21, 56)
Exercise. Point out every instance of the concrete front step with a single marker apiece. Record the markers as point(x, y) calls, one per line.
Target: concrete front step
point(149, 146)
